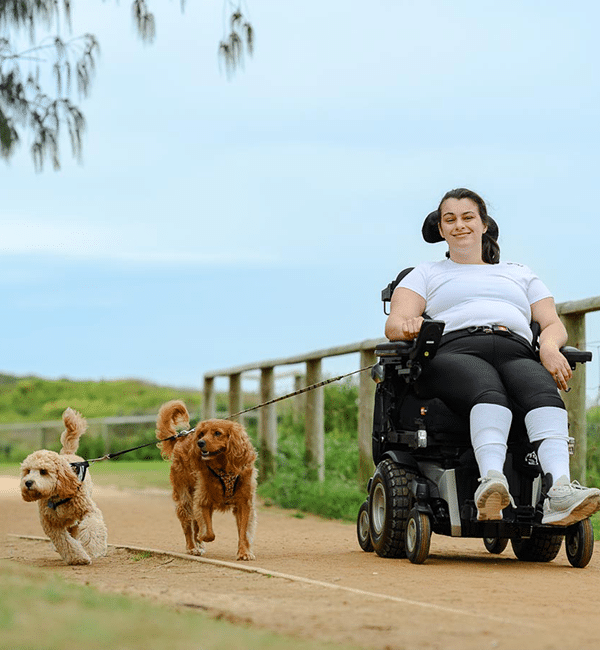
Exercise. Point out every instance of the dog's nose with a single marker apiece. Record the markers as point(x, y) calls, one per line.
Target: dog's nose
point(28, 484)
point(201, 444)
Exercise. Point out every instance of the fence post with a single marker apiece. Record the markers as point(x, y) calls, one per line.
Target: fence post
point(315, 422)
point(575, 398)
point(208, 408)
point(299, 404)
point(235, 394)
point(366, 406)
point(267, 424)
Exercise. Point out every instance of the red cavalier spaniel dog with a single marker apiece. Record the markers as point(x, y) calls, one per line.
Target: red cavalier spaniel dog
point(212, 468)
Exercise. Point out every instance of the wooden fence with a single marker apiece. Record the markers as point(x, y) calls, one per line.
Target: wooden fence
point(572, 314)
point(30, 436)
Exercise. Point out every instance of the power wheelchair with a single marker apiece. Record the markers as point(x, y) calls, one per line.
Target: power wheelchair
point(426, 474)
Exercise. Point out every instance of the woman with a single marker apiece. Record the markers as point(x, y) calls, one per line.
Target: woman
point(486, 359)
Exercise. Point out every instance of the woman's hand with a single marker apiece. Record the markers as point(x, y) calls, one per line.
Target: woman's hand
point(556, 364)
point(552, 337)
point(411, 328)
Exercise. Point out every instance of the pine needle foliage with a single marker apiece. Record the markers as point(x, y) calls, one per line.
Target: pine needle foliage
point(38, 80)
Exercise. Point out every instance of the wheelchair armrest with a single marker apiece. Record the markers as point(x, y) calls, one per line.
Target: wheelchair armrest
point(394, 349)
point(428, 341)
point(409, 356)
point(575, 356)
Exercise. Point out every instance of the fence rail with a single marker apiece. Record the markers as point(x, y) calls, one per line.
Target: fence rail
point(572, 314)
point(42, 435)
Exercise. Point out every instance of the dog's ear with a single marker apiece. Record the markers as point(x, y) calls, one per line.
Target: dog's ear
point(240, 451)
point(67, 482)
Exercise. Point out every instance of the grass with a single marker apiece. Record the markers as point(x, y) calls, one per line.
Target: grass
point(31, 399)
point(40, 610)
point(338, 497)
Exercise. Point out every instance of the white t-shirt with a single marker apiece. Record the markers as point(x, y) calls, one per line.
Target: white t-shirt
point(467, 295)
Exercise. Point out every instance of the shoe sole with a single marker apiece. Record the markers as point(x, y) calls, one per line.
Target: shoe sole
point(491, 503)
point(579, 512)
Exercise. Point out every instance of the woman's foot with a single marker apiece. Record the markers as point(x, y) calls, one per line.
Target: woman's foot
point(492, 496)
point(567, 503)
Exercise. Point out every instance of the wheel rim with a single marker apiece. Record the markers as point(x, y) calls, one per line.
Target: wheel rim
point(378, 508)
point(363, 525)
point(573, 542)
point(411, 534)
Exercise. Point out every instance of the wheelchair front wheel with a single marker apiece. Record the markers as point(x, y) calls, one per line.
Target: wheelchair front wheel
point(579, 543)
point(363, 530)
point(495, 545)
point(418, 536)
point(389, 505)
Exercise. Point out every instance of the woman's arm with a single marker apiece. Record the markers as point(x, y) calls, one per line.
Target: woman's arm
point(553, 336)
point(406, 315)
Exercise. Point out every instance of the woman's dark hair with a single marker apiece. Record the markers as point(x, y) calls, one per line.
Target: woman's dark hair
point(490, 252)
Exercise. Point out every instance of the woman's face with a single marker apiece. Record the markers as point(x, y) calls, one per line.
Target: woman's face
point(460, 223)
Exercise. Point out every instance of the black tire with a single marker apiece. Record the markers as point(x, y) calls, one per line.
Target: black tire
point(542, 546)
point(495, 545)
point(579, 543)
point(418, 536)
point(389, 505)
point(363, 529)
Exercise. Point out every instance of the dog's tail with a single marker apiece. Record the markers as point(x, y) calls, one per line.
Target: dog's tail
point(170, 415)
point(75, 426)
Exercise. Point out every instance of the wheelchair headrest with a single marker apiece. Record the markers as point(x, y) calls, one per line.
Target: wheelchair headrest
point(431, 233)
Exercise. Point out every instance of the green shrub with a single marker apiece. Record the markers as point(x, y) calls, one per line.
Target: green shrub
point(294, 486)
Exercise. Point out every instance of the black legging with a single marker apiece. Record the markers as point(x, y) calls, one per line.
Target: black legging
point(488, 369)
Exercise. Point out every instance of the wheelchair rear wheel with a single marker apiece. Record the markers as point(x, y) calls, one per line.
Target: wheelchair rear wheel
point(363, 530)
point(579, 543)
point(542, 546)
point(389, 506)
point(418, 536)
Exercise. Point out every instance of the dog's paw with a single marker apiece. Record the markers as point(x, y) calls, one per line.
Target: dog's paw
point(199, 551)
point(79, 561)
point(246, 556)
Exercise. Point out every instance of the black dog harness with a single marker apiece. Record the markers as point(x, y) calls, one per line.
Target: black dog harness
point(53, 505)
point(228, 481)
point(80, 469)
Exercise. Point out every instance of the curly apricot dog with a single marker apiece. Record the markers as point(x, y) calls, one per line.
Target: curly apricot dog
point(68, 515)
point(212, 469)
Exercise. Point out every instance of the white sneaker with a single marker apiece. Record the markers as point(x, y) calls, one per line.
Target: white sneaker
point(567, 503)
point(492, 496)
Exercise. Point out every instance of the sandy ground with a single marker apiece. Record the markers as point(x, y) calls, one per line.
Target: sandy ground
point(314, 581)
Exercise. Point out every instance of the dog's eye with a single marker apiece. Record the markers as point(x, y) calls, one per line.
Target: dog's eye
point(218, 434)
point(43, 472)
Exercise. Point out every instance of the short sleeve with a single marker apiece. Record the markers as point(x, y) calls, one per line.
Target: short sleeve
point(536, 289)
point(416, 281)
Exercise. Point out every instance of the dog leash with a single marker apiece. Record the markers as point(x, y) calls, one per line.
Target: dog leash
point(181, 434)
point(81, 467)
point(299, 392)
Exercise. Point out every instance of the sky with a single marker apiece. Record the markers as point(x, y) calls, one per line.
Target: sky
point(218, 221)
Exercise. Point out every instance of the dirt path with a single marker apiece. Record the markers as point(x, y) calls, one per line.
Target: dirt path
point(462, 598)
